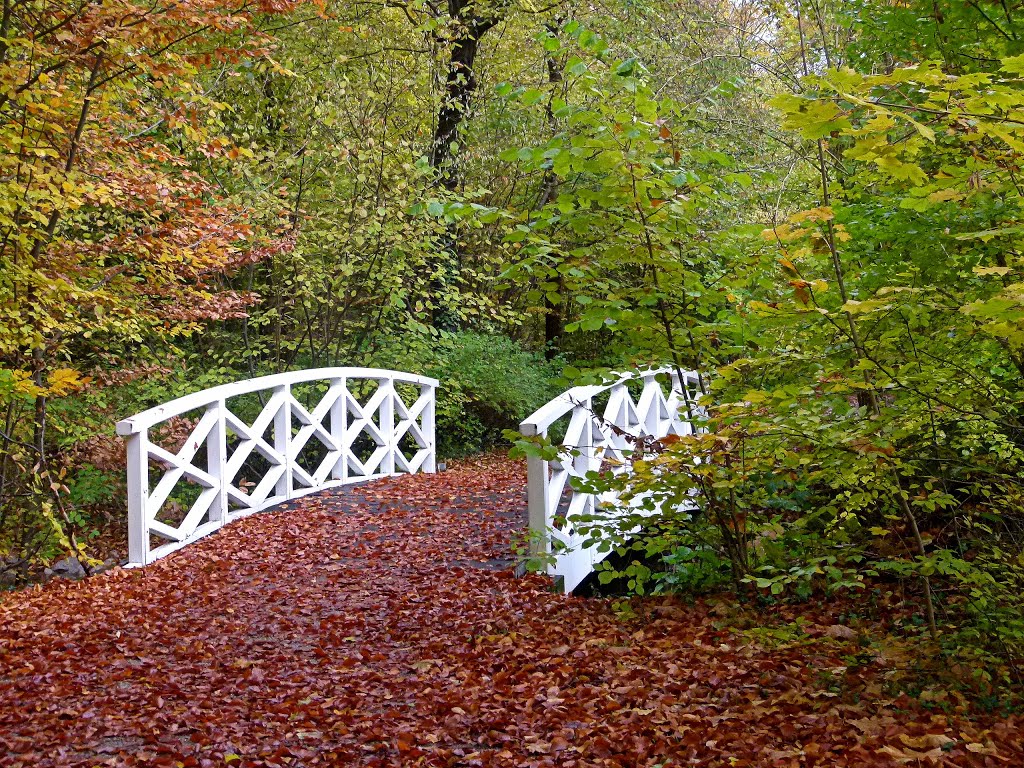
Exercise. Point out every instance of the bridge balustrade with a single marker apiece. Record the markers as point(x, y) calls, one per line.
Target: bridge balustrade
point(602, 427)
point(201, 461)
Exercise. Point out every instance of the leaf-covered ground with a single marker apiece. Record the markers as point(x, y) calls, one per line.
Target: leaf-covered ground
point(383, 626)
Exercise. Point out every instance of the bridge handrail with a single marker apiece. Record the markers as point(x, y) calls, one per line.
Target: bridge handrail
point(337, 420)
point(538, 422)
point(170, 409)
point(591, 439)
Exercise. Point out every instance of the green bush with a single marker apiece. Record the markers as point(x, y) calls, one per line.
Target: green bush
point(488, 383)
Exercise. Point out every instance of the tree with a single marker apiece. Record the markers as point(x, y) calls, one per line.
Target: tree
point(108, 238)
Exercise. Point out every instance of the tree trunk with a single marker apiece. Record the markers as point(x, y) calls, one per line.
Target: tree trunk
point(470, 24)
point(554, 321)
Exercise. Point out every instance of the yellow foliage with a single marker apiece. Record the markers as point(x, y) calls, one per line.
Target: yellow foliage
point(24, 386)
point(821, 213)
point(64, 381)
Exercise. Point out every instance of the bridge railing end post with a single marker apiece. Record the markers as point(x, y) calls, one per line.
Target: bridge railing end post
point(138, 498)
point(537, 506)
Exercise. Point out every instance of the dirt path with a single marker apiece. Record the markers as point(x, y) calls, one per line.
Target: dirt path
point(384, 627)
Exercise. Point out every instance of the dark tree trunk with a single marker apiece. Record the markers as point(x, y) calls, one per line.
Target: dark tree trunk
point(553, 326)
point(460, 83)
point(470, 23)
point(554, 321)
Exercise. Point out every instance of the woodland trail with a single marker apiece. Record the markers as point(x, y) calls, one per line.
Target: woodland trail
point(383, 626)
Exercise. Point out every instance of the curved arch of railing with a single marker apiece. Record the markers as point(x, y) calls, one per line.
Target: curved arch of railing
point(365, 423)
point(593, 437)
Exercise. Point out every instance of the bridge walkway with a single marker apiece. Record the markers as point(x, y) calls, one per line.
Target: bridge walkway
point(381, 625)
point(376, 624)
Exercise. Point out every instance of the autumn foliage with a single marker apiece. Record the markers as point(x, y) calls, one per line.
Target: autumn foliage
point(109, 237)
point(818, 207)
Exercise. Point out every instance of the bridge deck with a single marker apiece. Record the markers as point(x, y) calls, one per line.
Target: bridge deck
point(383, 626)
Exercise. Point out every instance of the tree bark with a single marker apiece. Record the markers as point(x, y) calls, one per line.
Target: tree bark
point(554, 321)
point(470, 23)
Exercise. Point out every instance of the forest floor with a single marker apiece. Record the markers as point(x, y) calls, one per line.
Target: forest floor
point(383, 626)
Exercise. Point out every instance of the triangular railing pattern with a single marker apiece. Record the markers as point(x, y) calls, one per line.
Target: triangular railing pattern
point(595, 437)
point(345, 438)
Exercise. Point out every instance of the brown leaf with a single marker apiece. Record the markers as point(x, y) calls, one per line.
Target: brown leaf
point(841, 632)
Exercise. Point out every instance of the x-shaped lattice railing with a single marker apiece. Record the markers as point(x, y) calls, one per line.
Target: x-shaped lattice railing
point(221, 484)
point(595, 440)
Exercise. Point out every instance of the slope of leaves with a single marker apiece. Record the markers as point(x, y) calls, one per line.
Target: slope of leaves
point(383, 626)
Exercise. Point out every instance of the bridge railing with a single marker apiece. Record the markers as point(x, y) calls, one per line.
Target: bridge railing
point(203, 460)
point(601, 426)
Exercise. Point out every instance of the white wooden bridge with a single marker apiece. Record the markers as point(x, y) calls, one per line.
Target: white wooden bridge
point(201, 461)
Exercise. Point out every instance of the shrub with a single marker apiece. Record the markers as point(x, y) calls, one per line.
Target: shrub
point(488, 383)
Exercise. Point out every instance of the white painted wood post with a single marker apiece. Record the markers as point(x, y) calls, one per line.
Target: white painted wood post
point(582, 462)
point(387, 427)
point(537, 505)
point(339, 428)
point(428, 429)
point(216, 463)
point(537, 496)
point(652, 417)
point(138, 498)
point(283, 440)
point(616, 397)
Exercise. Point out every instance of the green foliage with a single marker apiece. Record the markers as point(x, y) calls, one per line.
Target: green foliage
point(846, 267)
point(692, 568)
point(866, 351)
point(615, 248)
point(90, 486)
point(489, 383)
